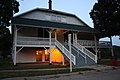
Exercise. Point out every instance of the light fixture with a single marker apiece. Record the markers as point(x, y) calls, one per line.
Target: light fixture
point(37, 53)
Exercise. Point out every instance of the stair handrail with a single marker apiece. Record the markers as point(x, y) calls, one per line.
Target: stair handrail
point(86, 52)
point(77, 51)
point(65, 51)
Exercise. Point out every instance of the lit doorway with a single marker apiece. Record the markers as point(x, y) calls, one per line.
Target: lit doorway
point(42, 55)
point(38, 55)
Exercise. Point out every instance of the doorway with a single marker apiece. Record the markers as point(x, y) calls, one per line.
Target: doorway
point(38, 55)
point(42, 56)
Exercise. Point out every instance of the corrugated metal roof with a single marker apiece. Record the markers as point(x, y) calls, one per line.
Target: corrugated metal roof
point(54, 25)
point(49, 24)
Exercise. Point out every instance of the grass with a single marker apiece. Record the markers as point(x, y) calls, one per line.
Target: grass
point(31, 66)
point(38, 73)
point(29, 73)
point(107, 62)
point(6, 64)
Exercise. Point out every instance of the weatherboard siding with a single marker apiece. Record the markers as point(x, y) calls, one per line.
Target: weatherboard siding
point(39, 15)
point(28, 32)
point(27, 55)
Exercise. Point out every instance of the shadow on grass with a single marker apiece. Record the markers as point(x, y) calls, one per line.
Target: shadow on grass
point(39, 73)
point(6, 64)
point(107, 62)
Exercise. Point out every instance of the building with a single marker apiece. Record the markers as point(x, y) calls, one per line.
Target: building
point(53, 36)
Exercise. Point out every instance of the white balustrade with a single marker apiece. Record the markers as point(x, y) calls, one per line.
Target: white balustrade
point(104, 43)
point(34, 41)
point(66, 52)
point(92, 43)
point(86, 42)
point(44, 41)
point(86, 52)
point(81, 44)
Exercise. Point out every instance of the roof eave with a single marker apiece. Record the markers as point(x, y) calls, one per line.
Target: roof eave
point(49, 24)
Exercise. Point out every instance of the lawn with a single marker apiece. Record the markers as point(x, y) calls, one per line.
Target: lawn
point(107, 62)
point(38, 73)
point(6, 64)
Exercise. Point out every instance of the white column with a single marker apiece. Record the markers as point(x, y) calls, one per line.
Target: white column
point(50, 47)
point(55, 35)
point(15, 43)
point(85, 59)
point(75, 38)
point(69, 42)
point(95, 46)
point(63, 60)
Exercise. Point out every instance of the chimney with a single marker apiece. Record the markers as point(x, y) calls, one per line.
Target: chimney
point(50, 4)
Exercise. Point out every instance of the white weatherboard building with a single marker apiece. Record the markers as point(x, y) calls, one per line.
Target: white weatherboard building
point(41, 35)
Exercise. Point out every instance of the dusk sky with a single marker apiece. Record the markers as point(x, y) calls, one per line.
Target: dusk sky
point(80, 8)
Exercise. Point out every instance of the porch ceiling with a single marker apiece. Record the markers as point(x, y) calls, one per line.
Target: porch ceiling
point(52, 25)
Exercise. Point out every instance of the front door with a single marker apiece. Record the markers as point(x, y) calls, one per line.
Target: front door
point(42, 55)
point(38, 55)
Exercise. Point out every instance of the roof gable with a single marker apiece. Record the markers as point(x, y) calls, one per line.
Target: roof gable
point(46, 18)
point(51, 15)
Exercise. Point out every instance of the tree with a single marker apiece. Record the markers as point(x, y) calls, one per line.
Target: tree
point(7, 9)
point(5, 42)
point(105, 15)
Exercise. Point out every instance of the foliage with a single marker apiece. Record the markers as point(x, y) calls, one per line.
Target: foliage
point(106, 53)
point(5, 42)
point(107, 62)
point(5, 63)
point(116, 50)
point(7, 9)
point(105, 15)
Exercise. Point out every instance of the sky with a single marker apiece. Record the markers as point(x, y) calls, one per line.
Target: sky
point(80, 8)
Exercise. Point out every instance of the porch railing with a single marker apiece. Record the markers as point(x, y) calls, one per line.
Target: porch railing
point(34, 41)
point(86, 52)
point(66, 52)
point(92, 43)
point(104, 43)
point(45, 41)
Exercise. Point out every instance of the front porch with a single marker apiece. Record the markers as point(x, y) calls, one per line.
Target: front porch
point(40, 42)
point(40, 55)
point(35, 31)
point(45, 43)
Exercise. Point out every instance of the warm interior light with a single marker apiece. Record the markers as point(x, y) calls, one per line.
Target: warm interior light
point(46, 52)
point(56, 55)
point(37, 53)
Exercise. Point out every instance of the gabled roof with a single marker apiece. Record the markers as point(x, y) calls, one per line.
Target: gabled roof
point(45, 10)
point(18, 20)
